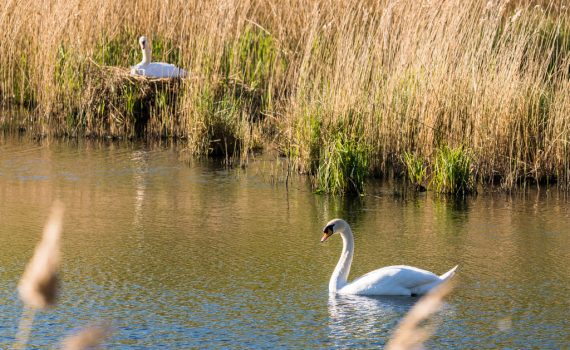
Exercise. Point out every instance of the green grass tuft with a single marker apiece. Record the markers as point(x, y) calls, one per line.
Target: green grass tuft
point(343, 166)
point(452, 171)
point(416, 170)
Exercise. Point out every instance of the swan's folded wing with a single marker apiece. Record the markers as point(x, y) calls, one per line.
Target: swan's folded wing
point(164, 70)
point(390, 280)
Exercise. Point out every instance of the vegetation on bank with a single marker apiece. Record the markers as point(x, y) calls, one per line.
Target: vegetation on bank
point(346, 89)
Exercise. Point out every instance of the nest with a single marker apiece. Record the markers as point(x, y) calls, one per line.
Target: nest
point(125, 73)
point(117, 76)
point(126, 104)
point(123, 104)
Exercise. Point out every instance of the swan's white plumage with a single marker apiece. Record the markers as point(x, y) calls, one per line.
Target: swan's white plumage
point(391, 280)
point(151, 69)
point(159, 70)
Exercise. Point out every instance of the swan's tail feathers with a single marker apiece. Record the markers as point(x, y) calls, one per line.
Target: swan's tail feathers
point(448, 274)
point(424, 288)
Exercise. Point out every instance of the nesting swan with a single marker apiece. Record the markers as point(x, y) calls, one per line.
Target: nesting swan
point(151, 69)
point(391, 280)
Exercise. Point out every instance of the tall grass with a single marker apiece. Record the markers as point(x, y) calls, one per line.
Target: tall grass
point(343, 167)
point(452, 171)
point(416, 170)
point(412, 75)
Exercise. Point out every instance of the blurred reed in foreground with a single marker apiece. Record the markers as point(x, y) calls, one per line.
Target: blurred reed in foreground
point(38, 286)
point(88, 338)
point(411, 332)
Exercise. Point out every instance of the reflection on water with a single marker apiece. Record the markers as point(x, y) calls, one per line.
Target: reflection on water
point(194, 255)
point(364, 320)
point(139, 182)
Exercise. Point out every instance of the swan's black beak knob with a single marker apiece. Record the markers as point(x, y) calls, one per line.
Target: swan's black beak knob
point(328, 231)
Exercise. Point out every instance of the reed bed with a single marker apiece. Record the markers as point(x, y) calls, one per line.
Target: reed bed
point(490, 77)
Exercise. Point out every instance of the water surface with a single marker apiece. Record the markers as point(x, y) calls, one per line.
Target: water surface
point(180, 254)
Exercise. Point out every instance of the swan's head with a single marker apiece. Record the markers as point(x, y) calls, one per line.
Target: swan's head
point(143, 42)
point(332, 227)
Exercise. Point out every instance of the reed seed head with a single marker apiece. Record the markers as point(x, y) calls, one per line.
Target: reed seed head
point(410, 334)
point(88, 338)
point(38, 286)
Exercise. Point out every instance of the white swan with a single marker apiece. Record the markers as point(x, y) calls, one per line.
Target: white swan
point(391, 280)
point(155, 69)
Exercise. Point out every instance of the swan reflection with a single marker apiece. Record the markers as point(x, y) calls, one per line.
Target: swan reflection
point(140, 167)
point(365, 319)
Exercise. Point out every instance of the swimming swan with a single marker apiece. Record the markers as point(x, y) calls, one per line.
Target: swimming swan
point(155, 69)
point(391, 280)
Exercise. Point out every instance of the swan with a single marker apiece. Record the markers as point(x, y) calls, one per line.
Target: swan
point(155, 69)
point(390, 280)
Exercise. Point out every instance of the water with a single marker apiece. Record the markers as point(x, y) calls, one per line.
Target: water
point(180, 254)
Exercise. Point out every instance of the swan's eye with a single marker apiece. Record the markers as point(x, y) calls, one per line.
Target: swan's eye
point(328, 231)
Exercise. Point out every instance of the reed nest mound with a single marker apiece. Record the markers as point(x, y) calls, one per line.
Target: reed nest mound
point(118, 104)
point(124, 104)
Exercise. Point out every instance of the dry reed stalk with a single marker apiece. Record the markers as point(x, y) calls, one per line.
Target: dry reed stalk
point(24, 327)
point(38, 286)
point(410, 334)
point(401, 76)
point(88, 338)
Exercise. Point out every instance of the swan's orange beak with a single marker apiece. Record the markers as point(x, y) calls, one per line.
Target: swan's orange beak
point(327, 234)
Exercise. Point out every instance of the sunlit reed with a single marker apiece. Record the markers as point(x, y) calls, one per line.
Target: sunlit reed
point(412, 332)
point(392, 76)
point(90, 337)
point(38, 286)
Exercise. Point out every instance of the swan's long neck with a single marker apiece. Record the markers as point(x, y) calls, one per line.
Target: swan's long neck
point(147, 56)
point(339, 277)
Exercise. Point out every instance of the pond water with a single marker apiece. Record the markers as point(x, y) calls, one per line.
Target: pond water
point(180, 254)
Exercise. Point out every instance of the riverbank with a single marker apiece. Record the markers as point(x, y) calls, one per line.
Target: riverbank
point(347, 90)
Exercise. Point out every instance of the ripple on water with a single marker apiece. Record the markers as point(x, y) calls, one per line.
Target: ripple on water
point(196, 256)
